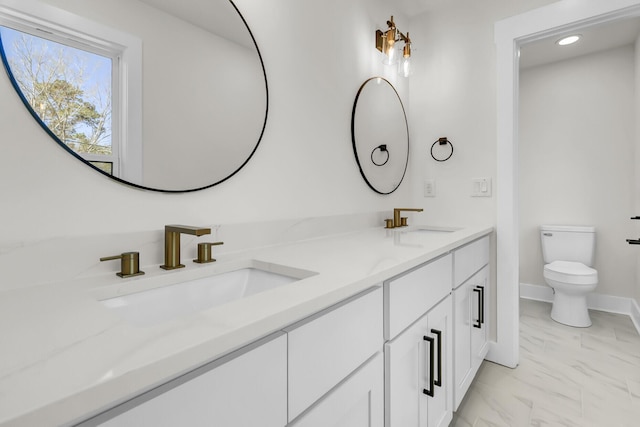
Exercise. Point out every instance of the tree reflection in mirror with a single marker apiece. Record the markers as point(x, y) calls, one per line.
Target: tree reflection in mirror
point(69, 90)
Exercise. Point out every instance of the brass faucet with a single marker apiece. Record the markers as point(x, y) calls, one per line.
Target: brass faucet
point(172, 243)
point(400, 221)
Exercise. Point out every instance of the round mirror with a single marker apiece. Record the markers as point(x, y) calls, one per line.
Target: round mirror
point(380, 135)
point(204, 96)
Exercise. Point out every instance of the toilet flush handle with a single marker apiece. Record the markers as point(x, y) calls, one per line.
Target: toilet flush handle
point(548, 234)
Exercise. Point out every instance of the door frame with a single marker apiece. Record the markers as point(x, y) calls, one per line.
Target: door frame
point(510, 34)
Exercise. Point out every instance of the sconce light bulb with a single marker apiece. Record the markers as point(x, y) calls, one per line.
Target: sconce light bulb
point(392, 57)
point(405, 67)
point(406, 51)
point(386, 43)
point(389, 41)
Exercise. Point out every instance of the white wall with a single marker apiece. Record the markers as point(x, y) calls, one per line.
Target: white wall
point(577, 160)
point(453, 94)
point(316, 56)
point(636, 200)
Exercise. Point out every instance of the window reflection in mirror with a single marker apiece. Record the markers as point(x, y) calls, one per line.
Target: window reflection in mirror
point(191, 75)
point(69, 89)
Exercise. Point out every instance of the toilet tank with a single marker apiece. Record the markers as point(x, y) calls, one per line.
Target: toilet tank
point(568, 243)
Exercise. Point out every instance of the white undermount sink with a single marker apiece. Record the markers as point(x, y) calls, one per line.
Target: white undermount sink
point(152, 306)
point(432, 230)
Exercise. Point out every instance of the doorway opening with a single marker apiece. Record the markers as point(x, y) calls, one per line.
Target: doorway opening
point(510, 34)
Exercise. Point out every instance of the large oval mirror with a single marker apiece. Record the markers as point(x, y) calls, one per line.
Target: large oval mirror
point(380, 135)
point(204, 96)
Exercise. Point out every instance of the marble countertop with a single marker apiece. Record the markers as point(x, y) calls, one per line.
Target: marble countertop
point(65, 357)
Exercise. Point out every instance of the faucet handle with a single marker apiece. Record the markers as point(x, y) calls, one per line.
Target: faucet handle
point(129, 264)
point(204, 252)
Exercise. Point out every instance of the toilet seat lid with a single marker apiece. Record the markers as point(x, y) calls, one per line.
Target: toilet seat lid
point(571, 272)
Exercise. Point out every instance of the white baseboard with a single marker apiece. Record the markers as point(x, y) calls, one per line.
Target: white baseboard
point(595, 301)
point(536, 292)
point(635, 314)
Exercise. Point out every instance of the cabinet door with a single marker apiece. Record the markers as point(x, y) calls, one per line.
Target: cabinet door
point(356, 402)
point(248, 390)
point(440, 405)
point(470, 312)
point(324, 350)
point(479, 310)
point(406, 368)
point(462, 302)
point(418, 372)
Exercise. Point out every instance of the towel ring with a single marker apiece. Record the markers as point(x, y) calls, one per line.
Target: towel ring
point(383, 149)
point(442, 141)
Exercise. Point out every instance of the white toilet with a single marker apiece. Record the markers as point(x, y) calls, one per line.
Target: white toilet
point(568, 255)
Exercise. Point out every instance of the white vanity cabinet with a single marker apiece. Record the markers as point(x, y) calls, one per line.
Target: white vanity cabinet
point(470, 310)
point(356, 402)
point(398, 355)
point(328, 348)
point(324, 370)
point(248, 388)
point(418, 369)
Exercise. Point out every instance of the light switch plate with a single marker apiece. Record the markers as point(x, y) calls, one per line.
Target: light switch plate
point(429, 188)
point(481, 187)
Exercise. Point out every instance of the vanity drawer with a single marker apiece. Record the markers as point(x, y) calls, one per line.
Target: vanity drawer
point(245, 388)
point(409, 296)
point(469, 259)
point(326, 348)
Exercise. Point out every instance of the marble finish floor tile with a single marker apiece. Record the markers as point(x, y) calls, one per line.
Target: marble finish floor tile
point(583, 377)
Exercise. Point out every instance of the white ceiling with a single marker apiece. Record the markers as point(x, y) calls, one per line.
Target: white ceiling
point(207, 15)
point(215, 16)
point(595, 38)
point(416, 7)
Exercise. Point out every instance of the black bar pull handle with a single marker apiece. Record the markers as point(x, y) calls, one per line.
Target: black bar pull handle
point(635, 217)
point(479, 324)
point(429, 391)
point(481, 304)
point(438, 334)
point(633, 241)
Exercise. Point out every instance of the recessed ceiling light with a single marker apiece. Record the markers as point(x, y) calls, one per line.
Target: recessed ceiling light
point(568, 40)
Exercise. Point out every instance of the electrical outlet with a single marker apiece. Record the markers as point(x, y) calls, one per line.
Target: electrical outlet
point(429, 188)
point(481, 187)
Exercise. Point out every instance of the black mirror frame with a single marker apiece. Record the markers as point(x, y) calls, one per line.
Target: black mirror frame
point(35, 115)
point(353, 136)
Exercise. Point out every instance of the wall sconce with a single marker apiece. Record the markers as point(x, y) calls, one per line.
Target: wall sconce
point(386, 43)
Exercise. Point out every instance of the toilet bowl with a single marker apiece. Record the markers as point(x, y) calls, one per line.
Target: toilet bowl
point(571, 282)
point(568, 252)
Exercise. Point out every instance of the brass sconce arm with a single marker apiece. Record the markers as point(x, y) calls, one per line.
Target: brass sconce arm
point(386, 43)
point(385, 40)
